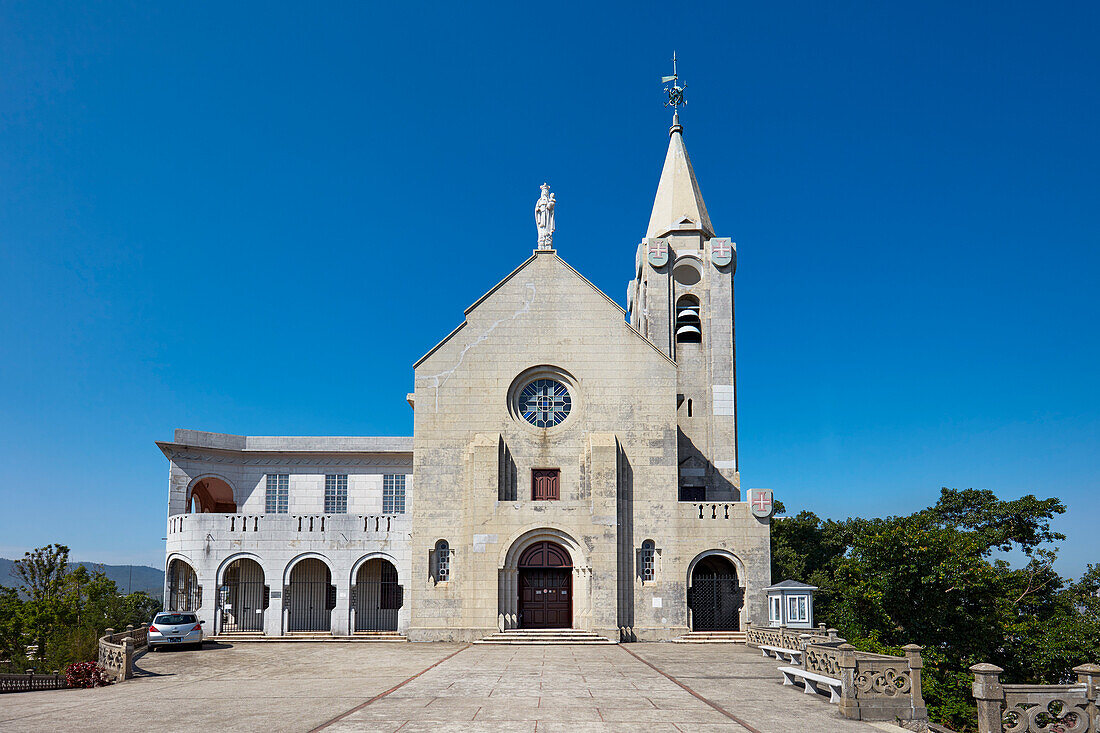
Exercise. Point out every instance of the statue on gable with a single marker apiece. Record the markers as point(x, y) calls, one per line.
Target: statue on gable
point(544, 218)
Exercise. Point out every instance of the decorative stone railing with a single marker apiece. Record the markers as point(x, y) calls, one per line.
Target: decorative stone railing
point(788, 638)
point(880, 686)
point(872, 686)
point(31, 682)
point(1037, 708)
point(118, 650)
point(242, 524)
point(716, 510)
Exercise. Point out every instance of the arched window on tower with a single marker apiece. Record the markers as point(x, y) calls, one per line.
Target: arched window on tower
point(647, 564)
point(688, 321)
point(441, 562)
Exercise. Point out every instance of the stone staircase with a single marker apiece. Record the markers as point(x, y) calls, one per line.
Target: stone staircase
point(545, 637)
point(321, 636)
point(711, 637)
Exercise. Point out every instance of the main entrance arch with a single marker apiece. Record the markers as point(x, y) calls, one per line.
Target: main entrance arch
point(715, 596)
point(545, 587)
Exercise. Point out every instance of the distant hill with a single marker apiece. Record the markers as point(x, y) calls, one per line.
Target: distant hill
point(143, 578)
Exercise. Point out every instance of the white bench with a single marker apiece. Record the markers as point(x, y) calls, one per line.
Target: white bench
point(813, 682)
point(794, 656)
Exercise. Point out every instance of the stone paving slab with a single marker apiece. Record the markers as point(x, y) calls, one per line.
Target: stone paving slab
point(297, 687)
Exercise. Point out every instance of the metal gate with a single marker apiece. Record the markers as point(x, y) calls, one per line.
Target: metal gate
point(243, 597)
point(376, 596)
point(715, 602)
point(310, 597)
point(184, 591)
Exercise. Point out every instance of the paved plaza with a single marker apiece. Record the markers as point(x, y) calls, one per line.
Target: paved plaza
point(439, 687)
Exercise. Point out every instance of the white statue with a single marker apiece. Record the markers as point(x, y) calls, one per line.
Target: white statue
point(544, 218)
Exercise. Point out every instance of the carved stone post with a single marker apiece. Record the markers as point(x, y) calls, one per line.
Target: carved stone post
point(127, 658)
point(849, 706)
point(990, 695)
point(1089, 676)
point(912, 655)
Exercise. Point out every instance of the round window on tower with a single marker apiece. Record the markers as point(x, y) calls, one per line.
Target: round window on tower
point(542, 397)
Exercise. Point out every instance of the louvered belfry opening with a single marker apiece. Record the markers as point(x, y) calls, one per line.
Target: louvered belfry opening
point(377, 597)
point(545, 587)
point(310, 597)
point(689, 324)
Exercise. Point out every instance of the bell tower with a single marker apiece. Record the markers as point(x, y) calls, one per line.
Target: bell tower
point(681, 299)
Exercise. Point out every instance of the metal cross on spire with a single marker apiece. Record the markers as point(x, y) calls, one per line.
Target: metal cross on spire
point(675, 92)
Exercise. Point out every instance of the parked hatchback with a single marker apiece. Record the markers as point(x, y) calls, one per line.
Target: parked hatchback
point(172, 628)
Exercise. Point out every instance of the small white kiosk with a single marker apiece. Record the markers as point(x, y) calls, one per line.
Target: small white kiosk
point(791, 604)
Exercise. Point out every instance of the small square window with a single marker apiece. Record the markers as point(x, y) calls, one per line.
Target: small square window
point(545, 484)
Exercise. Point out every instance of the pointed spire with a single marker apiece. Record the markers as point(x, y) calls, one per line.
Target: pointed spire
point(678, 205)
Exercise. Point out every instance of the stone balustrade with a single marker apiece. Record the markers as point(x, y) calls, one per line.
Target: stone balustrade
point(31, 682)
point(880, 686)
point(1006, 708)
point(716, 509)
point(118, 650)
point(873, 686)
point(282, 525)
point(788, 638)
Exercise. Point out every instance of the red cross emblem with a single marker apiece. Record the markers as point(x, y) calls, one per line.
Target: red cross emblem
point(658, 252)
point(721, 251)
point(760, 502)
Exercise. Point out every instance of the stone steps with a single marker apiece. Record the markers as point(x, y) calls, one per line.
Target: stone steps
point(711, 637)
point(301, 636)
point(554, 637)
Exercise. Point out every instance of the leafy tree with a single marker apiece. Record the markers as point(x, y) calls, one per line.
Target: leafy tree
point(936, 578)
point(66, 610)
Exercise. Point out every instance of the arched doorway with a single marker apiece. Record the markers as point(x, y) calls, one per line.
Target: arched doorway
point(211, 494)
point(545, 587)
point(715, 597)
point(310, 596)
point(377, 597)
point(242, 597)
point(184, 591)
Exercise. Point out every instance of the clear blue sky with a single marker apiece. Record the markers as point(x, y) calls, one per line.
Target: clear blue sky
point(253, 219)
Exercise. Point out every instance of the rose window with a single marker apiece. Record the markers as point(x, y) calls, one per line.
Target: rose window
point(545, 403)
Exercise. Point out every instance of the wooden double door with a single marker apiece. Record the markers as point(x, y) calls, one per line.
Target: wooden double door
point(545, 598)
point(545, 587)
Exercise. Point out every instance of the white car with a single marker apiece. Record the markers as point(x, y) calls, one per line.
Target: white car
point(175, 628)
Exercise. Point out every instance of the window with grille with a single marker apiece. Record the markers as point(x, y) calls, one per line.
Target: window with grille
point(442, 561)
point(649, 561)
point(393, 494)
point(278, 493)
point(336, 494)
point(544, 483)
point(797, 609)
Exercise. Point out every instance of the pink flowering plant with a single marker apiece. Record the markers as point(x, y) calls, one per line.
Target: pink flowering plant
point(86, 674)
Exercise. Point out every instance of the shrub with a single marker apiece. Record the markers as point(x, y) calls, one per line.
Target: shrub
point(86, 674)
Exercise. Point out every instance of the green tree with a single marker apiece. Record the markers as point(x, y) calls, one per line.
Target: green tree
point(937, 578)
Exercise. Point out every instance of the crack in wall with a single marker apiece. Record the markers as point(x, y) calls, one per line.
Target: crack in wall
point(445, 375)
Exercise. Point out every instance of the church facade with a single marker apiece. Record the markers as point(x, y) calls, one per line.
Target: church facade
point(572, 465)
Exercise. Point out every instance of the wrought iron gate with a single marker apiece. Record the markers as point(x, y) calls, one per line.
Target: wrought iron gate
point(184, 591)
point(310, 597)
point(242, 604)
point(377, 597)
point(715, 602)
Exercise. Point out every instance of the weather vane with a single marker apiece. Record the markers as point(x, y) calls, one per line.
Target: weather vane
point(675, 92)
